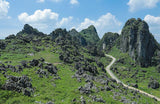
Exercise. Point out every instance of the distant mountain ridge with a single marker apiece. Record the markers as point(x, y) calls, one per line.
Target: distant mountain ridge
point(135, 39)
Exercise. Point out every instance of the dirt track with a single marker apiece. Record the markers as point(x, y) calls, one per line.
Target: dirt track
point(118, 81)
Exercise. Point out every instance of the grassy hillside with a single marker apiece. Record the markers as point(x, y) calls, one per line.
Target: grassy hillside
point(63, 87)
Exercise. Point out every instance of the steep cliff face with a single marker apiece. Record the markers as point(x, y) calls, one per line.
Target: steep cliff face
point(90, 34)
point(108, 40)
point(138, 41)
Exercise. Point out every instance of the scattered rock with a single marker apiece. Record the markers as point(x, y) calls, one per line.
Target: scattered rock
point(34, 62)
point(19, 84)
point(49, 102)
point(96, 99)
point(82, 100)
point(52, 69)
point(87, 89)
point(134, 85)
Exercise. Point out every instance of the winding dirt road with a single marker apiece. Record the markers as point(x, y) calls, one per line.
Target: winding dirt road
point(118, 81)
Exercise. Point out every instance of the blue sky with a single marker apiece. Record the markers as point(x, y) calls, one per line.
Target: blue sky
point(105, 15)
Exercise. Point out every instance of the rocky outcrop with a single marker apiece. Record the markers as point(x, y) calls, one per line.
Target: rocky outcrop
point(138, 41)
point(29, 31)
point(2, 45)
point(90, 34)
point(11, 37)
point(108, 40)
point(153, 84)
point(73, 32)
point(58, 32)
point(19, 84)
point(77, 37)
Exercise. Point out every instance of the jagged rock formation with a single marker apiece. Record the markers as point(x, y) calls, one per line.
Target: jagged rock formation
point(58, 32)
point(29, 31)
point(108, 40)
point(77, 37)
point(11, 37)
point(73, 32)
point(90, 34)
point(138, 41)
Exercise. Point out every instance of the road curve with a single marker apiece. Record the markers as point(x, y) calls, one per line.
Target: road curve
point(118, 81)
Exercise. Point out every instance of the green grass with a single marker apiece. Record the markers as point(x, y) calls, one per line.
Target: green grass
point(60, 91)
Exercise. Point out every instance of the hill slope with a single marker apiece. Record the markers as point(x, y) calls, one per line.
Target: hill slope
point(57, 69)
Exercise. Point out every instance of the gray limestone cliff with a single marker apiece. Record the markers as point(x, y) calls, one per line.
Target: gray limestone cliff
point(138, 41)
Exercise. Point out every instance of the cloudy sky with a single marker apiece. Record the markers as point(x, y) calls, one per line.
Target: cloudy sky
point(105, 15)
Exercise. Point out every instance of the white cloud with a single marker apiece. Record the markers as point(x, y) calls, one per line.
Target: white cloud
point(38, 16)
point(4, 6)
point(74, 2)
point(56, 0)
point(41, 19)
point(87, 22)
point(64, 21)
point(152, 20)
point(135, 5)
point(45, 20)
point(40, 1)
point(106, 23)
point(154, 24)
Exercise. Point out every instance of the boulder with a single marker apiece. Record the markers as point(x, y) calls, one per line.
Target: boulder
point(34, 62)
point(134, 85)
point(49, 102)
point(52, 69)
point(153, 84)
point(24, 63)
point(85, 90)
point(27, 92)
point(82, 100)
point(107, 88)
point(2, 45)
point(97, 99)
